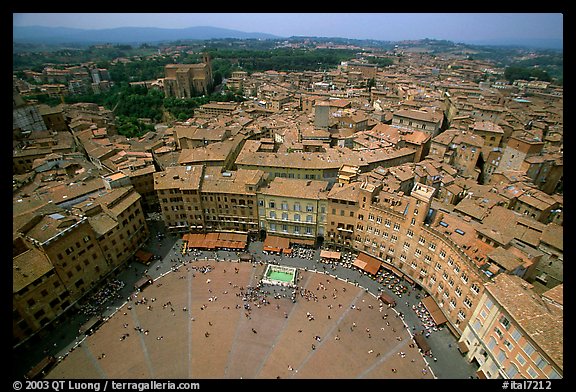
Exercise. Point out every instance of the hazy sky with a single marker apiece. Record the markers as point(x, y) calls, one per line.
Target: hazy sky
point(457, 27)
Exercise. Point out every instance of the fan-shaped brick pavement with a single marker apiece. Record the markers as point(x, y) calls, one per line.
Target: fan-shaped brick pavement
point(193, 323)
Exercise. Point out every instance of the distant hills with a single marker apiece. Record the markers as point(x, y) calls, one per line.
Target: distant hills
point(153, 35)
point(537, 43)
point(125, 35)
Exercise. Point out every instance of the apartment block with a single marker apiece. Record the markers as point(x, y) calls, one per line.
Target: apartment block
point(70, 244)
point(490, 133)
point(461, 149)
point(38, 294)
point(217, 108)
point(515, 333)
point(318, 165)
point(178, 189)
point(208, 198)
point(61, 263)
point(518, 148)
point(546, 171)
point(399, 231)
point(118, 220)
point(419, 120)
point(59, 257)
point(294, 208)
point(342, 208)
point(229, 199)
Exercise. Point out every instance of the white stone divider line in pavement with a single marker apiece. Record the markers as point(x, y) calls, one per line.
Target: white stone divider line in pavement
point(94, 361)
point(143, 343)
point(383, 358)
point(281, 333)
point(307, 358)
point(189, 318)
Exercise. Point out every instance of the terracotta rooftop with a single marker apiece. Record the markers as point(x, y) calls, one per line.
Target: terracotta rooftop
point(179, 177)
point(553, 235)
point(235, 182)
point(487, 126)
point(420, 115)
point(27, 267)
point(542, 322)
point(505, 259)
point(348, 192)
point(296, 188)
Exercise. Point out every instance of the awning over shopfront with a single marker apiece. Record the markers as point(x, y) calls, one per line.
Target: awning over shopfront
point(387, 299)
point(330, 255)
point(194, 240)
point(408, 279)
point(367, 263)
point(434, 310)
point(211, 241)
point(216, 240)
point(245, 257)
point(91, 325)
point(41, 368)
point(273, 241)
point(421, 342)
point(462, 347)
point(302, 241)
point(392, 269)
point(143, 256)
point(143, 282)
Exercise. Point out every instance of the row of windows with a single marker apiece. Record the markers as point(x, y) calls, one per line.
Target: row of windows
point(423, 272)
point(410, 124)
point(44, 293)
point(284, 206)
point(458, 291)
point(296, 217)
point(71, 249)
point(342, 212)
point(387, 223)
point(233, 200)
point(221, 218)
point(520, 360)
point(295, 229)
point(291, 175)
point(418, 252)
point(529, 350)
point(347, 202)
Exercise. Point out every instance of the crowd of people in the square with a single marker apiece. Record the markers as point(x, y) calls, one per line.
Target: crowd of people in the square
point(392, 282)
point(303, 252)
point(97, 302)
point(428, 323)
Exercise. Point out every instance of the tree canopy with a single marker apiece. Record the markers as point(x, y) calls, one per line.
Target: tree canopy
point(526, 73)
